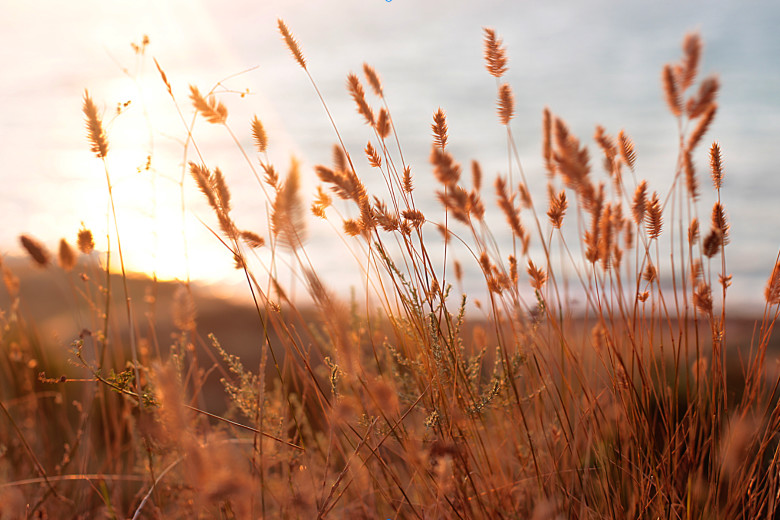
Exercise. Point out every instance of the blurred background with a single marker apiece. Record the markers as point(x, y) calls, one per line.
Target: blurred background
point(591, 62)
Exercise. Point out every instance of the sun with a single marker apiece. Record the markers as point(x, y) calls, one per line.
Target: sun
point(158, 232)
point(137, 199)
point(157, 216)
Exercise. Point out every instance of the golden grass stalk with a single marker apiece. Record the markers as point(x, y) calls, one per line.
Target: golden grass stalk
point(653, 217)
point(524, 196)
point(221, 189)
point(271, 176)
point(606, 235)
point(720, 223)
point(252, 239)
point(321, 202)
point(339, 159)
point(772, 290)
point(476, 175)
point(495, 53)
point(484, 262)
point(95, 133)
point(650, 274)
point(227, 225)
point(702, 126)
point(295, 49)
point(513, 270)
point(388, 221)
point(672, 91)
point(697, 271)
point(439, 128)
point(547, 151)
point(373, 79)
point(383, 123)
point(359, 95)
point(66, 257)
point(446, 170)
point(408, 183)
point(36, 250)
point(708, 91)
point(345, 183)
point(164, 77)
point(212, 110)
point(288, 216)
point(702, 298)
point(506, 203)
point(693, 231)
point(506, 103)
point(203, 179)
point(214, 187)
point(259, 135)
point(716, 165)
point(558, 206)
point(690, 176)
point(352, 227)
point(626, 148)
point(572, 161)
point(628, 235)
point(590, 240)
point(475, 205)
point(85, 242)
point(537, 275)
point(457, 201)
point(373, 156)
point(340, 186)
point(415, 217)
point(367, 217)
point(691, 57)
point(607, 145)
point(712, 243)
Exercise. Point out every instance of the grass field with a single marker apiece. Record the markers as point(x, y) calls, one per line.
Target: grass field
point(597, 376)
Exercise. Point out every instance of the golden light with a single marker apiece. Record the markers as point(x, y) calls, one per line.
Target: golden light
point(159, 235)
point(163, 221)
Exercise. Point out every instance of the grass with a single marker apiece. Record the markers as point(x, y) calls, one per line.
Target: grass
point(630, 404)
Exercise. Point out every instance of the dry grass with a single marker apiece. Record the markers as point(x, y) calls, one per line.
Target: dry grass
point(631, 404)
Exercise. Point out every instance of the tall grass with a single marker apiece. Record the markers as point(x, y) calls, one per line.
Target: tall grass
point(626, 405)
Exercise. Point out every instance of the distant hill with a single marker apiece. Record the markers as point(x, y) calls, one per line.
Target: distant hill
point(57, 306)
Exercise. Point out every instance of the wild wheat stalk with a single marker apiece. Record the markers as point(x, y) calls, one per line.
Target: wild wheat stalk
point(36, 250)
point(95, 133)
point(99, 143)
point(292, 44)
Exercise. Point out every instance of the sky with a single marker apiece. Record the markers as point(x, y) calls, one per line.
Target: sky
point(594, 62)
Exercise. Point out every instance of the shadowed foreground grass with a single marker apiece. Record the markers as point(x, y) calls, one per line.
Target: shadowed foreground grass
point(598, 376)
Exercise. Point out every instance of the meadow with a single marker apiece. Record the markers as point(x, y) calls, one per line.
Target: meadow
point(597, 375)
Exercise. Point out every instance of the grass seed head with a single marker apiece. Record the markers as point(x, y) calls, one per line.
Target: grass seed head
point(66, 257)
point(95, 133)
point(495, 53)
point(292, 45)
point(36, 250)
